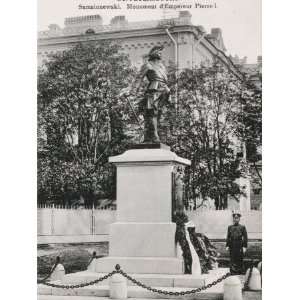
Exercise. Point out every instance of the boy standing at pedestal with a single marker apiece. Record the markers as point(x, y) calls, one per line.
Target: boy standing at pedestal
point(236, 243)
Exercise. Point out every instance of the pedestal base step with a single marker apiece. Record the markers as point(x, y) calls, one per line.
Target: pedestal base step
point(141, 265)
point(162, 280)
point(172, 283)
point(133, 292)
point(183, 283)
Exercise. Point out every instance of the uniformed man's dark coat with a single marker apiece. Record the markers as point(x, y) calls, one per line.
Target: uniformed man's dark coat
point(237, 239)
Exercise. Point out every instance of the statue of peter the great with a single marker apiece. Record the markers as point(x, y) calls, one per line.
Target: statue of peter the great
point(156, 95)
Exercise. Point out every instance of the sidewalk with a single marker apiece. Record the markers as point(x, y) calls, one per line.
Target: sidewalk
point(246, 296)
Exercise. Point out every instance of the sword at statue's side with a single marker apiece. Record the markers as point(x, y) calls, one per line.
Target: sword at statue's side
point(125, 94)
point(134, 113)
point(135, 86)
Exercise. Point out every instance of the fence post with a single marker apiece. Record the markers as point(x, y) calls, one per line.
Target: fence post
point(52, 219)
point(93, 220)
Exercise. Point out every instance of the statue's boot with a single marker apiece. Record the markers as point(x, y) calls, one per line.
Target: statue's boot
point(151, 135)
point(156, 138)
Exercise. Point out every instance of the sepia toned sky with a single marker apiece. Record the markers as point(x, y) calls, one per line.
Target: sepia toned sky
point(240, 20)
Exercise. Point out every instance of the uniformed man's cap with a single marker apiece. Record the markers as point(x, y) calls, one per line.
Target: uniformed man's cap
point(236, 213)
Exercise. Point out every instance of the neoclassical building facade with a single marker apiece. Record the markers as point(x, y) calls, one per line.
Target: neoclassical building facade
point(186, 45)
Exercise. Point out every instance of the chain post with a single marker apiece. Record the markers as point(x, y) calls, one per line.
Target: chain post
point(92, 258)
point(57, 261)
point(246, 285)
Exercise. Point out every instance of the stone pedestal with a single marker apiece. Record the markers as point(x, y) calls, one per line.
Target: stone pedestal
point(142, 240)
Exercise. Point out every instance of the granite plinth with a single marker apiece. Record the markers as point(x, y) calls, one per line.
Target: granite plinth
point(141, 265)
point(142, 239)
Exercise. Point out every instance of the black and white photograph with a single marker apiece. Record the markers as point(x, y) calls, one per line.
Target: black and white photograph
point(149, 150)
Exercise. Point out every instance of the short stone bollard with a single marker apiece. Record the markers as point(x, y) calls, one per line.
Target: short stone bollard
point(58, 273)
point(255, 280)
point(92, 266)
point(259, 267)
point(232, 288)
point(117, 287)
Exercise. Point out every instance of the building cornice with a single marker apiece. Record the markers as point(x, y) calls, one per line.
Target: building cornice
point(113, 35)
point(222, 56)
point(134, 33)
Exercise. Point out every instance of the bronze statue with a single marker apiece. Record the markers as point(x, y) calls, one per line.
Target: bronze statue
point(156, 95)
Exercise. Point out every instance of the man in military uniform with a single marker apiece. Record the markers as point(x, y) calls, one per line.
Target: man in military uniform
point(236, 243)
point(156, 95)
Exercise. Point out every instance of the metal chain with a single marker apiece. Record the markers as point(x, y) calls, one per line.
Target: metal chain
point(138, 283)
point(80, 285)
point(200, 289)
point(51, 271)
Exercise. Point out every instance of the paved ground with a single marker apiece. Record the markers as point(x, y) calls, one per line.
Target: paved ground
point(246, 296)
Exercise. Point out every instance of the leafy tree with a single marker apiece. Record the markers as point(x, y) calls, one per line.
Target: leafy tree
point(249, 123)
point(81, 121)
point(206, 130)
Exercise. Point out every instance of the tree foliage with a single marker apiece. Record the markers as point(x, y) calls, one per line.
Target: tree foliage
point(208, 130)
point(82, 117)
point(249, 126)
